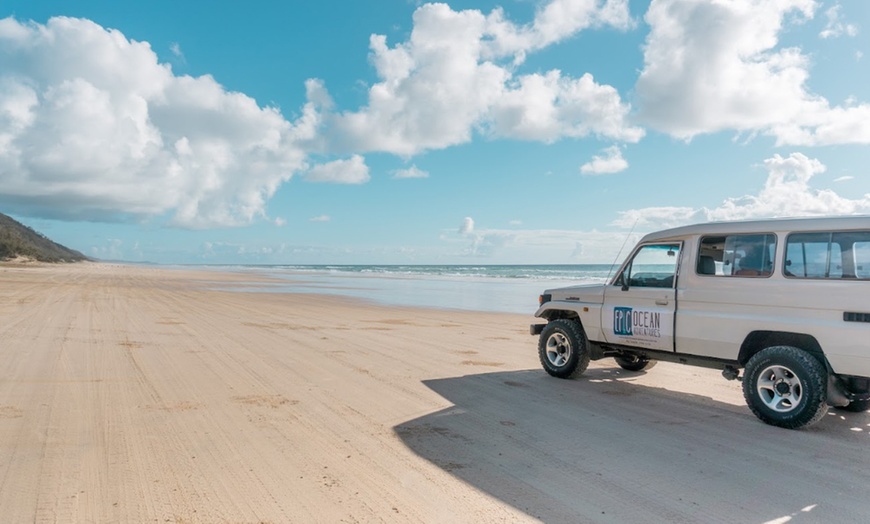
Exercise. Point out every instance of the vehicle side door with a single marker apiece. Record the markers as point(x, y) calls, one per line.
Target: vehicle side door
point(640, 303)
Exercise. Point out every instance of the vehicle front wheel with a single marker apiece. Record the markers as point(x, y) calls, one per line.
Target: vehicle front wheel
point(562, 349)
point(634, 362)
point(785, 386)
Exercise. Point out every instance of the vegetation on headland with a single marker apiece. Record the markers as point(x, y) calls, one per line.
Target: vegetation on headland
point(20, 241)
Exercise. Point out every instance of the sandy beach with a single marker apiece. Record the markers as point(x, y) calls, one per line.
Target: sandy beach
point(139, 394)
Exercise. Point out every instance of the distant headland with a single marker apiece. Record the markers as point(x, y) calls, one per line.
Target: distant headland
point(21, 243)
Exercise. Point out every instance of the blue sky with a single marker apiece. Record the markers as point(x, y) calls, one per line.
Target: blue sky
point(472, 132)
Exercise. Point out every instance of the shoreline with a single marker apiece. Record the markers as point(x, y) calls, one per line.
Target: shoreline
point(473, 288)
point(445, 293)
point(455, 292)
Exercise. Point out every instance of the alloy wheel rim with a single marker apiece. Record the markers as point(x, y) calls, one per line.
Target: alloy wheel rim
point(779, 388)
point(558, 349)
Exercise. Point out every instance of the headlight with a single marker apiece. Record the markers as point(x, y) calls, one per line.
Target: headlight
point(543, 299)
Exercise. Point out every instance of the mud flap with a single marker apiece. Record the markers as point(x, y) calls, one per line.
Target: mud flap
point(837, 397)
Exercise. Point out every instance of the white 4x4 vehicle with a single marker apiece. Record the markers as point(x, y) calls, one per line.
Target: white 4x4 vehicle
point(787, 301)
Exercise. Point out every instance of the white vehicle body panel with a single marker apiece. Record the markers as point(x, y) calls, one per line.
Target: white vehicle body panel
point(641, 317)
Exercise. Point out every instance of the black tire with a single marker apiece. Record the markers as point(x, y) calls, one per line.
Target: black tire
point(563, 350)
point(785, 386)
point(634, 362)
point(857, 406)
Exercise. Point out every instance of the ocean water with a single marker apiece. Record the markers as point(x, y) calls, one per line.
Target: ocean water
point(496, 288)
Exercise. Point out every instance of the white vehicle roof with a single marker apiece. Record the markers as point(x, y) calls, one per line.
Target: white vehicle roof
point(774, 225)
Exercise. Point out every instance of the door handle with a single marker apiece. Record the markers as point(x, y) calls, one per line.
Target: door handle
point(661, 302)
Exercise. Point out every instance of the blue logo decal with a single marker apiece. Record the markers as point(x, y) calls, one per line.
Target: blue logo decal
point(622, 321)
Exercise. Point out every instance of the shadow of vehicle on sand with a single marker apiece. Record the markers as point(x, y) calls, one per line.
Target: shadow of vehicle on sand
point(601, 449)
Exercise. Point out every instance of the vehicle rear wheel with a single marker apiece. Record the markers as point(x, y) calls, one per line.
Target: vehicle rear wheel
point(634, 362)
point(563, 349)
point(785, 386)
point(857, 406)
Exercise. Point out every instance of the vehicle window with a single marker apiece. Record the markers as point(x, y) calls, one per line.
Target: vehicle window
point(828, 255)
point(652, 266)
point(861, 254)
point(736, 255)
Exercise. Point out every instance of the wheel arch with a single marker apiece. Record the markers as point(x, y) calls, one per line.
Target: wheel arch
point(758, 340)
point(556, 314)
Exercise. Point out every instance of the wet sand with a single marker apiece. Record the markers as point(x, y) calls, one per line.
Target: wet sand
point(138, 394)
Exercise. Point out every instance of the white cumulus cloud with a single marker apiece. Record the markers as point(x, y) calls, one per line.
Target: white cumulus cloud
point(454, 77)
point(411, 172)
point(351, 171)
point(714, 65)
point(554, 21)
point(92, 126)
point(611, 161)
point(786, 193)
point(835, 26)
point(175, 47)
point(467, 226)
point(533, 246)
